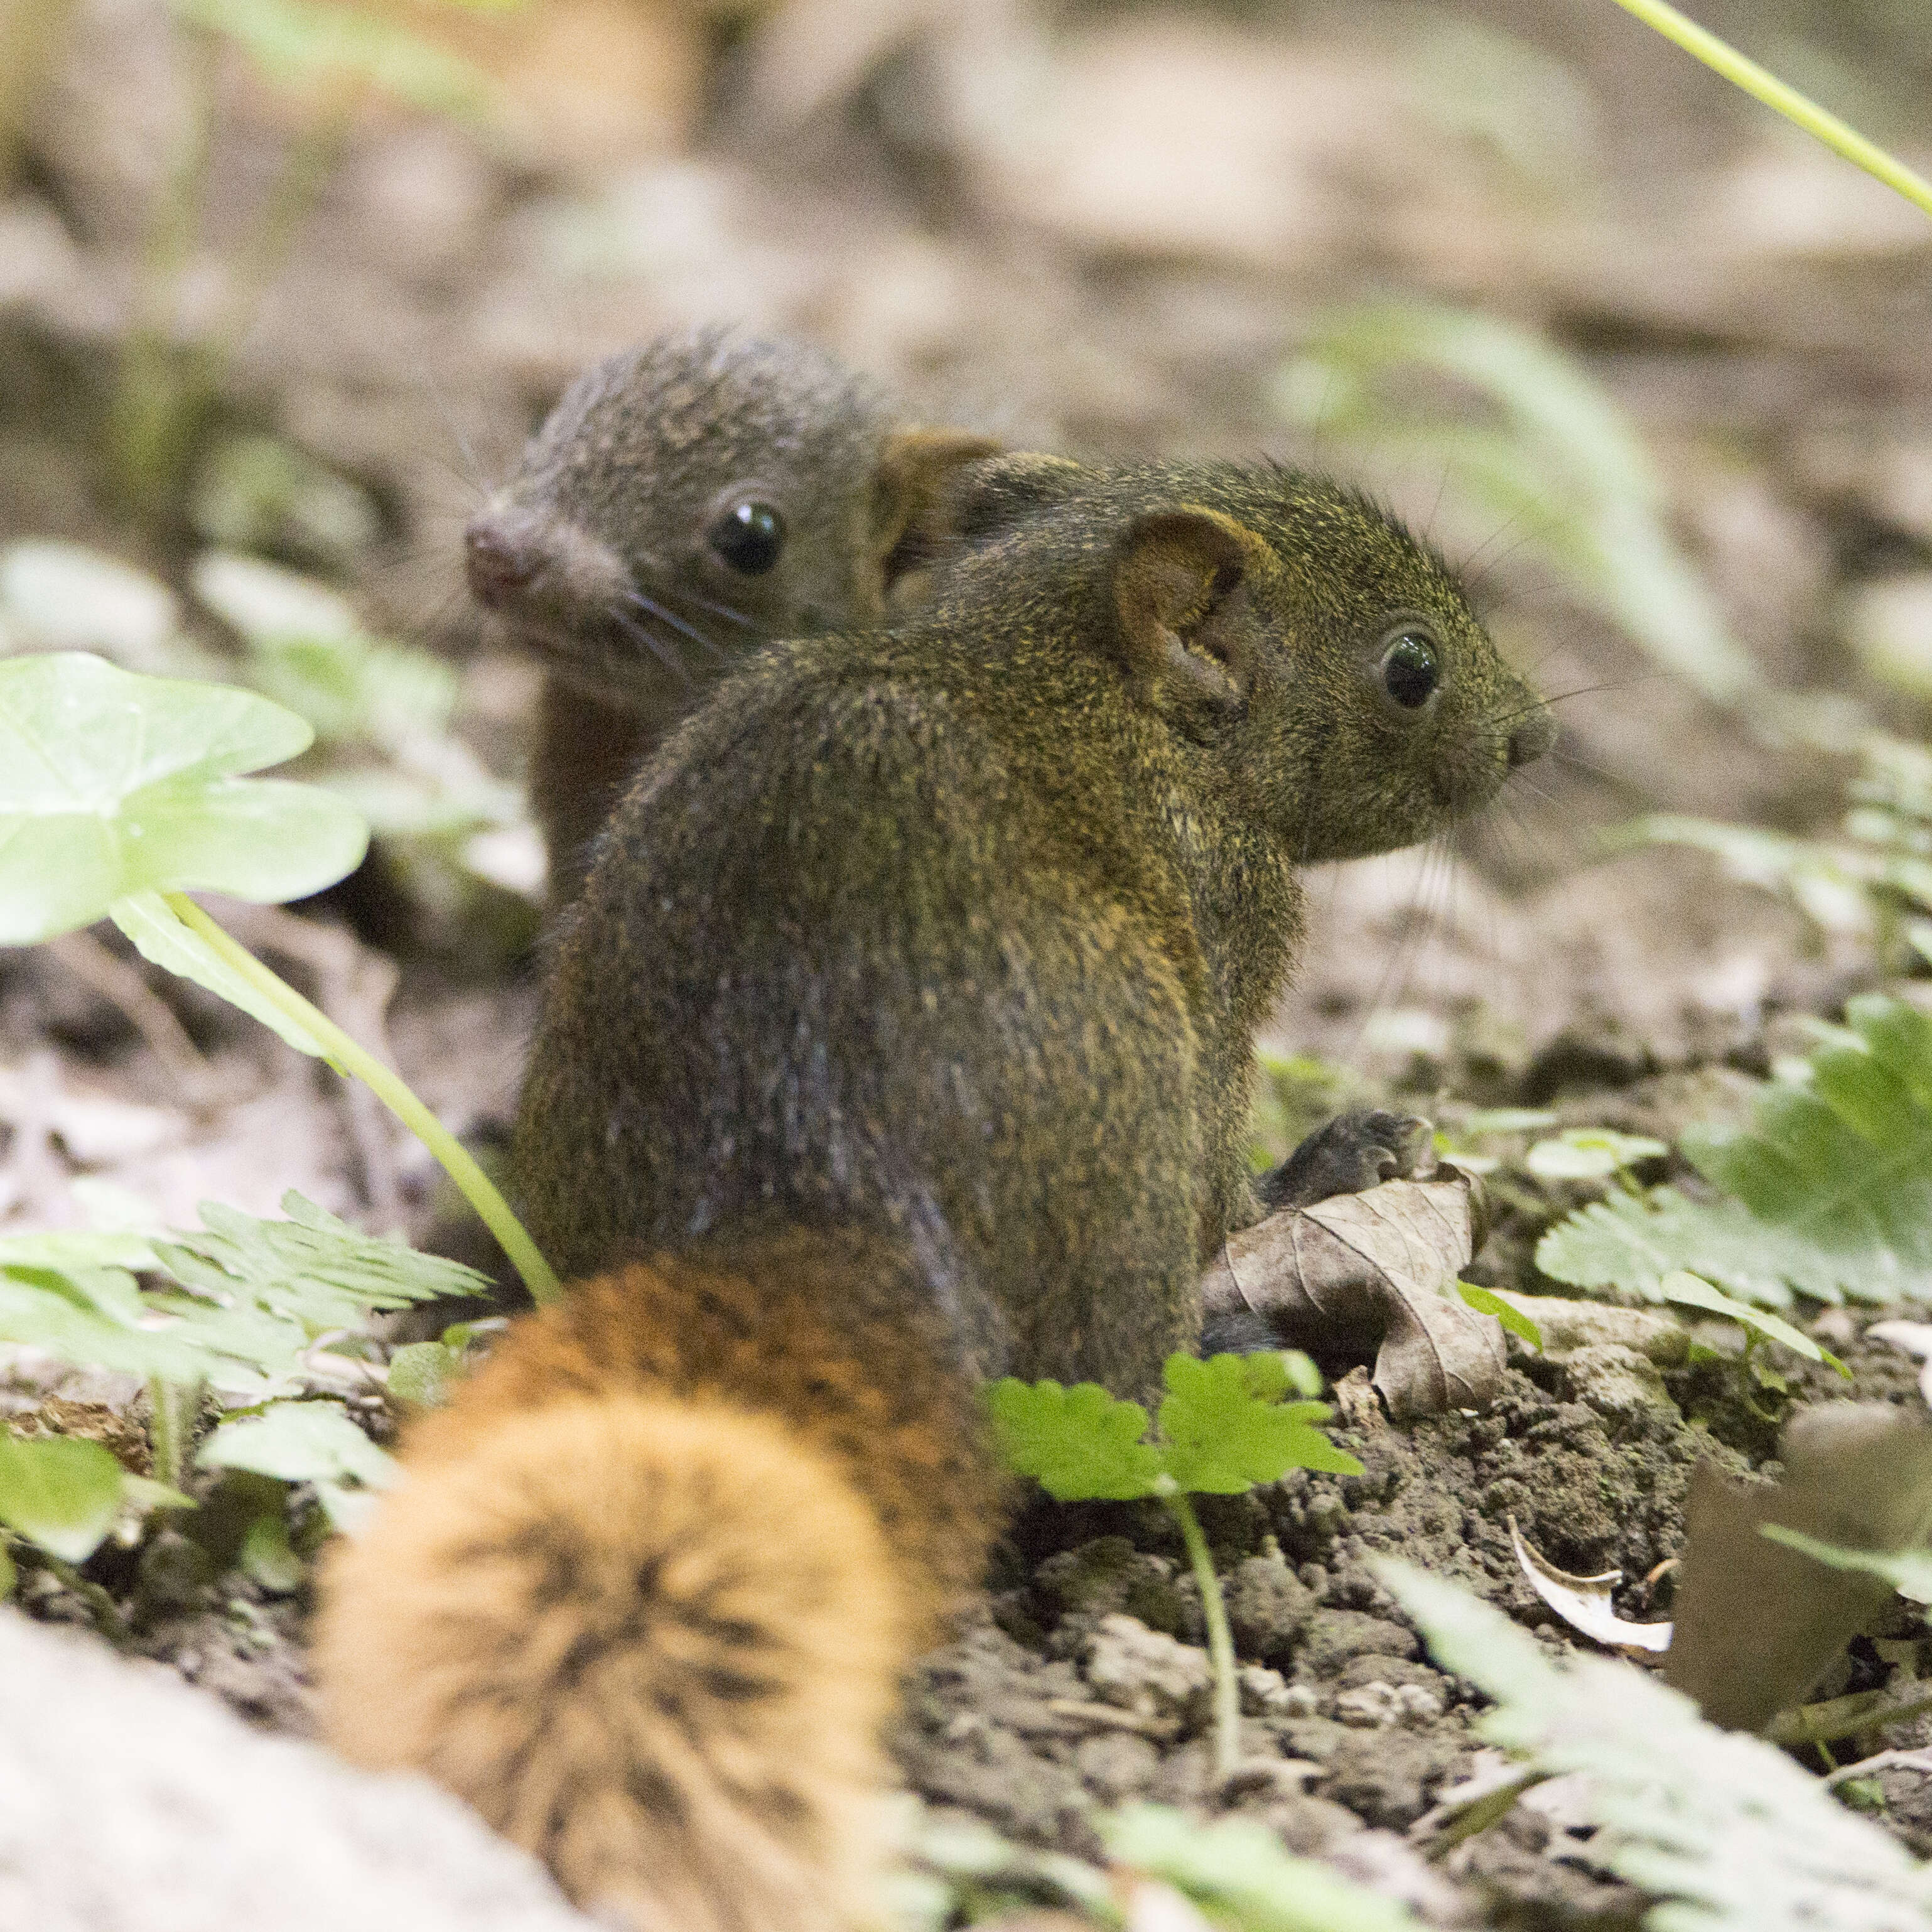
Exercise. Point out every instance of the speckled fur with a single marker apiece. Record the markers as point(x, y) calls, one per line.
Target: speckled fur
point(903, 1028)
point(617, 490)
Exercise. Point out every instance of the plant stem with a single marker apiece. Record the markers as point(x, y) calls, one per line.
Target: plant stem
point(389, 1087)
point(1762, 85)
point(1220, 1641)
point(171, 1409)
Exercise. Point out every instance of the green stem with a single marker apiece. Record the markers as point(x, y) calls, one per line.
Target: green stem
point(389, 1087)
point(171, 1410)
point(1762, 85)
point(1220, 1640)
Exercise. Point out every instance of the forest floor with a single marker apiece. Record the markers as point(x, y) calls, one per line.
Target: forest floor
point(969, 221)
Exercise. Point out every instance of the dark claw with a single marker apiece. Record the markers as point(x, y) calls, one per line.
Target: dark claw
point(1348, 1155)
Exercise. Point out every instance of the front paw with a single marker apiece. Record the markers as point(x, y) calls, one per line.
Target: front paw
point(1348, 1155)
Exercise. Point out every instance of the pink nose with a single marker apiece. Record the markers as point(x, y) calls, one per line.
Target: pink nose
point(499, 563)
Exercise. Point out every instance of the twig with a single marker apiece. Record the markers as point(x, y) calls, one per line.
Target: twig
point(1846, 1717)
point(1884, 1760)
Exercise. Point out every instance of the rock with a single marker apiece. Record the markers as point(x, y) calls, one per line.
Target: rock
point(129, 1803)
point(1614, 1381)
point(1377, 1705)
point(1147, 1671)
point(1117, 1765)
point(1268, 1608)
point(1337, 1635)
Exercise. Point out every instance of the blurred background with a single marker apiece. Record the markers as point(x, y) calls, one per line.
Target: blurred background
point(285, 283)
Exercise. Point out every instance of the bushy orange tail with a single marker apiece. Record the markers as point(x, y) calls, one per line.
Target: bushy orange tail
point(650, 1631)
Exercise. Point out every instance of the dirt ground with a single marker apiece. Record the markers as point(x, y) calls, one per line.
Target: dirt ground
point(1106, 230)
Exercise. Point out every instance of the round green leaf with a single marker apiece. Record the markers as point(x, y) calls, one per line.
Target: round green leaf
point(62, 1493)
point(300, 1441)
point(111, 784)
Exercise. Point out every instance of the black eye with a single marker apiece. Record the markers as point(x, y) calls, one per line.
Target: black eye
point(748, 536)
point(1410, 672)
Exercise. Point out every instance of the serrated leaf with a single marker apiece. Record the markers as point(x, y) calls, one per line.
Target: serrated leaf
point(1224, 1428)
point(1590, 1154)
point(158, 934)
point(1077, 1444)
point(300, 1441)
point(261, 1292)
point(1725, 1830)
point(1240, 1867)
point(1689, 1291)
point(112, 783)
point(1908, 1571)
point(1630, 1243)
point(61, 1493)
point(1844, 1161)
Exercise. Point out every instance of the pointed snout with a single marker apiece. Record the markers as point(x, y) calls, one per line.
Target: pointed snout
point(502, 554)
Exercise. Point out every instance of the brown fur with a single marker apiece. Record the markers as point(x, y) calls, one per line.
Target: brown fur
point(923, 966)
point(648, 1632)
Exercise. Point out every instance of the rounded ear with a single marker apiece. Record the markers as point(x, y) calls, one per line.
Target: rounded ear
point(910, 490)
point(1186, 632)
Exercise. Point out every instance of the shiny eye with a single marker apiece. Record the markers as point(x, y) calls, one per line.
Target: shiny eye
point(748, 537)
point(1410, 671)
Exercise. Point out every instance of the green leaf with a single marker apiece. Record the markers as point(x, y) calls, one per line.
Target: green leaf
point(311, 1269)
point(151, 923)
point(300, 1441)
point(1630, 1243)
point(112, 783)
point(61, 1493)
point(1689, 1291)
point(1513, 1318)
point(94, 1317)
point(298, 44)
point(1239, 1867)
point(143, 1495)
point(261, 1292)
point(1908, 1571)
point(1224, 1427)
point(1078, 1443)
point(1590, 1154)
point(423, 1373)
point(267, 1558)
point(1722, 1827)
point(1844, 1161)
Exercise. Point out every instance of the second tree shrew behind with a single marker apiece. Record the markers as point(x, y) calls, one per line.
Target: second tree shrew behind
point(685, 503)
point(902, 1037)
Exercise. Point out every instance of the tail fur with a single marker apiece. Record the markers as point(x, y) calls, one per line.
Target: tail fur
point(652, 1632)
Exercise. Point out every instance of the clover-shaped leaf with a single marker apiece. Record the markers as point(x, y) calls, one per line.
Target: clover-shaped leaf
point(1225, 1427)
point(112, 783)
point(1077, 1443)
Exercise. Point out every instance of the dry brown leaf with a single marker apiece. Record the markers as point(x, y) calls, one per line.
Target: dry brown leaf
point(1584, 1603)
point(1757, 1623)
point(1372, 1273)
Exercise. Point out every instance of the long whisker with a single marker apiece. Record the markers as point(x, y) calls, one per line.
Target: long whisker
point(658, 648)
point(686, 595)
point(652, 608)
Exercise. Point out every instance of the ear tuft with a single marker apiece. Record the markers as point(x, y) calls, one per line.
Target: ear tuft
point(1186, 634)
point(913, 489)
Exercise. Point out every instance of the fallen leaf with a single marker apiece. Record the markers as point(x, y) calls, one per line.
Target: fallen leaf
point(1372, 1274)
point(1757, 1622)
point(1584, 1603)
